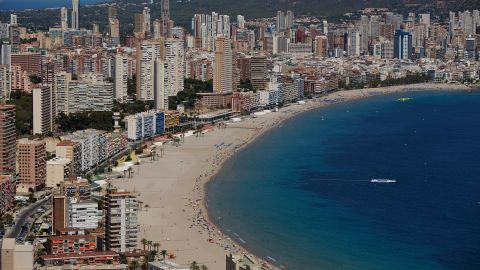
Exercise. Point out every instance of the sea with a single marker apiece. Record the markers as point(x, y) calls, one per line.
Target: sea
point(39, 4)
point(300, 196)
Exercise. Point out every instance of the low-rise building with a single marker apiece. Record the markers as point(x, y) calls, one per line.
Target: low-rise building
point(73, 151)
point(82, 259)
point(165, 265)
point(17, 257)
point(58, 169)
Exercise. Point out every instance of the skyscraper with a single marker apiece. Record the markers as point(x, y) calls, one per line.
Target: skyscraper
point(289, 18)
point(402, 45)
point(112, 12)
point(139, 23)
point(222, 72)
point(43, 110)
point(169, 72)
point(8, 141)
point(75, 14)
point(240, 21)
point(147, 53)
point(121, 77)
point(4, 83)
point(146, 20)
point(165, 17)
point(280, 20)
point(258, 72)
point(64, 18)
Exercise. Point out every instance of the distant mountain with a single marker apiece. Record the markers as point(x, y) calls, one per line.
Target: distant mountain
point(183, 10)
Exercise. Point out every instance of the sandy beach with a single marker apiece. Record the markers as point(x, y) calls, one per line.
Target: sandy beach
point(173, 185)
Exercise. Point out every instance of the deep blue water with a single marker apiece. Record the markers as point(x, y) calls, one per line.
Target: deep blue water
point(25, 4)
point(301, 193)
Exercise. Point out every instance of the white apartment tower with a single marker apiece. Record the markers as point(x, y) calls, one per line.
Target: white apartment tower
point(169, 73)
point(121, 77)
point(147, 53)
point(5, 82)
point(75, 14)
point(64, 18)
point(241, 21)
point(43, 110)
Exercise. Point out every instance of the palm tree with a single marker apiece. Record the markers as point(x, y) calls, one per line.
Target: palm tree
point(204, 267)
point(149, 243)
point(134, 264)
point(144, 241)
point(164, 254)
point(194, 266)
point(156, 246)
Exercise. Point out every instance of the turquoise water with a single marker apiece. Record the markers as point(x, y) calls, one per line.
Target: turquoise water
point(301, 193)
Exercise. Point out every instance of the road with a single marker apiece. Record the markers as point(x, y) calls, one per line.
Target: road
point(22, 217)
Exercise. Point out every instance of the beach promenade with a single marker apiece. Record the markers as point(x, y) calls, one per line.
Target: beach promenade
point(173, 185)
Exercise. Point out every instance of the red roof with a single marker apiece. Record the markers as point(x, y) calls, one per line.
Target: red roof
point(79, 255)
point(67, 143)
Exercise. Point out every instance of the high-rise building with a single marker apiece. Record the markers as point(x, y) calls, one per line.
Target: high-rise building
point(74, 16)
point(121, 225)
point(59, 208)
point(146, 20)
point(121, 78)
point(114, 30)
point(353, 43)
point(8, 141)
point(32, 165)
point(112, 12)
point(280, 20)
point(5, 83)
point(8, 189)
point(402, 45)
point(13, 19)
point(222, 72)
point(43, 110)
point(64, 18)
point(324, 27)
point(289, 19)
point(139, 23)
point(6, 54)
point(169, 72)
point(88, 93)
point(93, 146)
point(258, 72)
point(240, 21)
point(165, 17)
point(82, 214)
point(147, 53)
point(321, 46)
point(425, 19)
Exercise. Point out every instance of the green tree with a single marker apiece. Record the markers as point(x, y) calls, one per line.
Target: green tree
point(194, 266)
point(164, 254)
point(144, 243)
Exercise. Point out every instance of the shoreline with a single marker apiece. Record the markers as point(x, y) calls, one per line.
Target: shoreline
point(207, 155)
